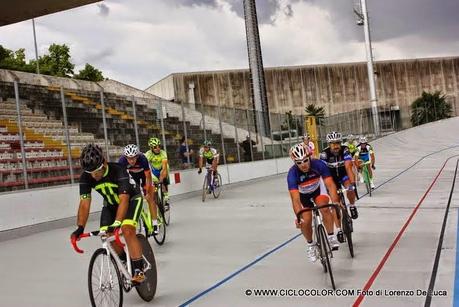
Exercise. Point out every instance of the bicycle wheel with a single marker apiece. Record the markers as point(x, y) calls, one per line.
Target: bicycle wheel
point(160, 237)
point(147, 289)
point(347, 229)
point(366, 178)
point(326, 252)
point(104, 280)
point(217, 186)
point(166, 211)
point(204, 189)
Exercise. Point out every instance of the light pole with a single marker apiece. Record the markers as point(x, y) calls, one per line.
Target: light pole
point(35, 42)
point(363, 20)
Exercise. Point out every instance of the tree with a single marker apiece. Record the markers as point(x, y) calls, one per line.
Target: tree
point(57, 62)
point(317, 112)
point(430, 107)
point(14, 60)
point(90, 73)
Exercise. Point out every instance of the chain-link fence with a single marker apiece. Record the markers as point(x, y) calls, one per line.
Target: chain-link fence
point(43, 129)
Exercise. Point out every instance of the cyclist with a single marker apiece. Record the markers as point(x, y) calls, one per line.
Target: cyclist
point(159, 166)
point(122, 202)
point(137, 165)
point(339, 162)
point(364, 153)
point(351, 144)
point(310, 178)
point(211, 157)
point(307, 141)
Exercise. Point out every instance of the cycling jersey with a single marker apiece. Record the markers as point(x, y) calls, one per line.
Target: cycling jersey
point(208, 155)
point(336, 162)
point(156, 161)
point(307, 182)
point(137, 170)
point(352, 147)
point(310, 184)
point(116, 180)
point(363, 152)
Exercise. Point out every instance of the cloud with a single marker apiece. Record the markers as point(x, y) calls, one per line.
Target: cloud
point(141, 41)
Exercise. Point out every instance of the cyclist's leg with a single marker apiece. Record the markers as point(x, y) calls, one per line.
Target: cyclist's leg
point(107, 217)
point(166, 183)
point(350, 194)
point(128, 227)
point(306, 226)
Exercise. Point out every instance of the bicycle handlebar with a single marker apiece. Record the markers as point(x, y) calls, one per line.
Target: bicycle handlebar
point(298, 215)
point(74, 240)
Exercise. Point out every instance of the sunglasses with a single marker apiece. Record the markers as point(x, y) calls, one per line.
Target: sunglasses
point(157, 146)
point(96, 170)
point(302, 162)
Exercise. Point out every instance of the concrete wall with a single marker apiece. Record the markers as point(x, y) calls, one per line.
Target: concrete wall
point(338, 87)
point(164, 88)
point(25, 208)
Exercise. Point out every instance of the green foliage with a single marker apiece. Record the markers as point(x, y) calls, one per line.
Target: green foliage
point(430, 107)
point(317, 112)
point(90, 73)
point(14, 60)
point(56, 63)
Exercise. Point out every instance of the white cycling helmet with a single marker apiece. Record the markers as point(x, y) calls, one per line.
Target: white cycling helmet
point(299, 152)
point(363, 139)
point(334, 137)
point(131, 150)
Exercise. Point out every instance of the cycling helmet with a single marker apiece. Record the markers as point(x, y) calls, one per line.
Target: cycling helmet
point(152, 142)
point(334, 137)
point(363, 139)
point(91, 157)
point(131, 150)
point(299, 152)
point(207, 143)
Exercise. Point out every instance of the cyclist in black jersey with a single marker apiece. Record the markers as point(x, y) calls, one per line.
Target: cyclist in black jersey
point(122, 202)
point(339, 162)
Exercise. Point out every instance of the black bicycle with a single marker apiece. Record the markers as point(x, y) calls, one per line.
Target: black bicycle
point(346, 221)
point(324, 249)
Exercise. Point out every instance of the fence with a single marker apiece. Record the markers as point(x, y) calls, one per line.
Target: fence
point(44, 128)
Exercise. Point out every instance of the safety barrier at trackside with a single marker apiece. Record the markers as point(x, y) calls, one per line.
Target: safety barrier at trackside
point(26, 208)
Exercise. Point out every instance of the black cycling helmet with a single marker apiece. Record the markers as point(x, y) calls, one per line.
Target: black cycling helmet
point(91, 157)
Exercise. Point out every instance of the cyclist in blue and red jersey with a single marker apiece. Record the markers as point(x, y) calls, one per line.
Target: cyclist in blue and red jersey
point(138, 167)
point(309, 179)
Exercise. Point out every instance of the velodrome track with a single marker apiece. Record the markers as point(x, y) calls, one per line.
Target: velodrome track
point(246, 240)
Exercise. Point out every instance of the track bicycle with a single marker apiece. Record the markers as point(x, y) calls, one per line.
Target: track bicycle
point(324, 250)
point(212, 184)
point(109, 276)
point(145, 224)
point(346, 221)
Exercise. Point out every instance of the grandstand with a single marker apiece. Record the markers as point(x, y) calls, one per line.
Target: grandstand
point(45, 141)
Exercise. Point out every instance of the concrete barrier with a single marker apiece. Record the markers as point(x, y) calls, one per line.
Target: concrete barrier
point(27, 208)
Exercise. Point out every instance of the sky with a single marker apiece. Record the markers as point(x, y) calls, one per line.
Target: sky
point(139, 42)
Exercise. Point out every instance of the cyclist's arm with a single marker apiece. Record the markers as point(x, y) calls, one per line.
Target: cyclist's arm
point(372, 155)
point(163, 173)
point(296, 202)
point(200, 161)
point(349, 171)
point(122, 207)
point(148, 182)
point(83, 211)
point(331, 187)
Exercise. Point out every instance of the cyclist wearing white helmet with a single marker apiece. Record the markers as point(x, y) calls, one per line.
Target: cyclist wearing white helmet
point(364, 153)
point(310, 178)
point(138, 167)
point(339, 162)
point(307, 141)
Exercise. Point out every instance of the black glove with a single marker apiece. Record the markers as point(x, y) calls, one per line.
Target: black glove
point(114, 226)
point(200, 171)
point(373, 167)
point(77, 233)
